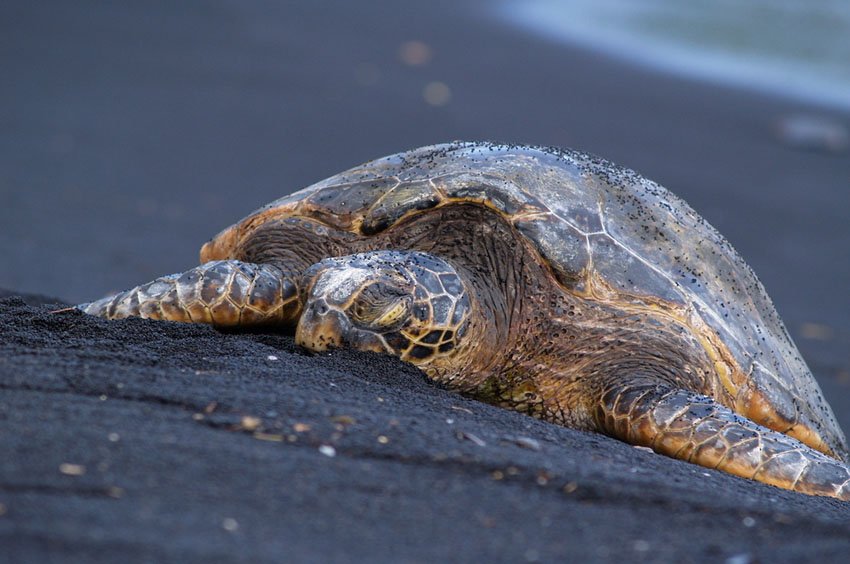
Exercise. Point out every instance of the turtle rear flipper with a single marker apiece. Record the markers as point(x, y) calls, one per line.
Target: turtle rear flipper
point(223, 293)
point(698, 429)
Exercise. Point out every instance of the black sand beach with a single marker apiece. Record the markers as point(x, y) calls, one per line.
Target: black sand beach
point(128, 136)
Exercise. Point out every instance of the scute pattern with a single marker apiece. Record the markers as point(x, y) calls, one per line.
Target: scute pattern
point(398, 201)
point(340, 204)
point(695, 428)
point(440, 297)
point(564, 247)
point(487, 189)
point(627, 272)
point(226, 293)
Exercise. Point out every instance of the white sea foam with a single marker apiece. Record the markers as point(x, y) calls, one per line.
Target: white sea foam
point(797, 48)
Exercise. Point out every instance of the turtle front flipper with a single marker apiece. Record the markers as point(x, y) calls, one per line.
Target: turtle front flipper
point(223, 293)
point(698, 429)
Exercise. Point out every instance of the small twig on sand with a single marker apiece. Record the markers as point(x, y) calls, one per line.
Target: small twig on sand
point(63, 310)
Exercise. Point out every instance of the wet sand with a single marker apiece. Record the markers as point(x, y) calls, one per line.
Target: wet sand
point(130, 136)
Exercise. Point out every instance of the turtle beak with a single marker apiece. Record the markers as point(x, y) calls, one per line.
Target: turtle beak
point(324, 327)
point(321, 327)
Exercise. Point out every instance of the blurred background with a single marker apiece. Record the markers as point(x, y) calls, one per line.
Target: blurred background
point(130, 133)
point(797, 48)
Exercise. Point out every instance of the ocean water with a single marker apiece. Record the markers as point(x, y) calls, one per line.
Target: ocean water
point(796, 48)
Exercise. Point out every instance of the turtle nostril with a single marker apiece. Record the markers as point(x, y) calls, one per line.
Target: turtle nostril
point(321, 328)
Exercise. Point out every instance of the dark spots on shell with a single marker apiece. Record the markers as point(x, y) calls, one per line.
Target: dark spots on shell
point(344, 199)
point(628, 272)
point(563, 247)
point(325, 195)
point(446, 347)
point(263, 293)
point(187, 279)
point(423, 262)
point(701, 410)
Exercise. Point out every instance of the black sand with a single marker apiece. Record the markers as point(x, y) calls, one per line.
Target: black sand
point(131, 136)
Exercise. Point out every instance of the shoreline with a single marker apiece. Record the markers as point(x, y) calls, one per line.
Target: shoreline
point(758, 72)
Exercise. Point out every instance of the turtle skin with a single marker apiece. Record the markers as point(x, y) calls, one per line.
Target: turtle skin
point(584, 294)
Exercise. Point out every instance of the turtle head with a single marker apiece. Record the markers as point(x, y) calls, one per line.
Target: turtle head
point(409, 304)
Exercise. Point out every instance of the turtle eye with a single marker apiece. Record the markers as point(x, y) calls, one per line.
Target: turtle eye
point(380, 306)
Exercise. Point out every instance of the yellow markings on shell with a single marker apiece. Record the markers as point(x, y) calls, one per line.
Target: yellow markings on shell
point(751, 404)
point(725, 375)
point(725, 367)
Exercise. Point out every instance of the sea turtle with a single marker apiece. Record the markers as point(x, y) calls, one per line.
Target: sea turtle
point(544, 280)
